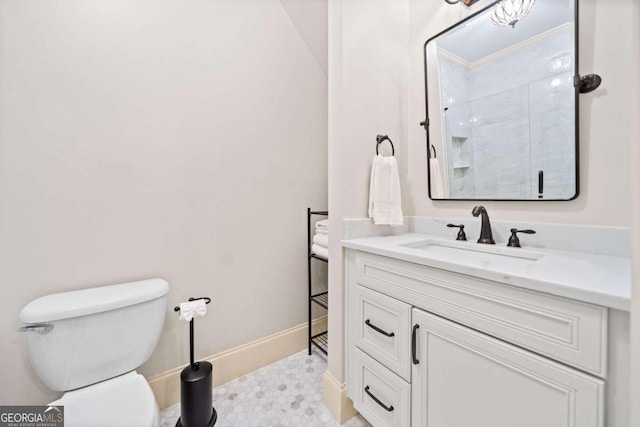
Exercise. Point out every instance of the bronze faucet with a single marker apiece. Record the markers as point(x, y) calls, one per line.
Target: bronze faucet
point(486, 235)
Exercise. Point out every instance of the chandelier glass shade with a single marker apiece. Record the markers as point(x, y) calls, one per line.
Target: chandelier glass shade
point(509, 12)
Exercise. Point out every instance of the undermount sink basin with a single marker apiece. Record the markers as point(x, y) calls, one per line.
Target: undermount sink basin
point(475, 252)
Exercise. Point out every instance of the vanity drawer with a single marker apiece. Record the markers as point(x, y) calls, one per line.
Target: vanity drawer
point(568, 331)
point(380, 327)
point(381, 396)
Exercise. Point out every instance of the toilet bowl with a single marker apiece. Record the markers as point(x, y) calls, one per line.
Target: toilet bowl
point(126, 400)
point(88, 344)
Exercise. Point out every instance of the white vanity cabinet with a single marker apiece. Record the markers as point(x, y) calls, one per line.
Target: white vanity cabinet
point(429, 347)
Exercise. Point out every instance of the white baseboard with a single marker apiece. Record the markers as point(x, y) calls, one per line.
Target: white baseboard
point(335, 398)
point(235, 362)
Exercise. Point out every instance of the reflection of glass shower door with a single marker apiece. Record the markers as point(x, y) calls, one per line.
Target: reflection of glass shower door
point(552, 125)
point(488, 146)
point(502, 144)
point(496, 146)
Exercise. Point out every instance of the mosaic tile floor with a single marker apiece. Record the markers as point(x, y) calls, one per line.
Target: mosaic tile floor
point(285, 393)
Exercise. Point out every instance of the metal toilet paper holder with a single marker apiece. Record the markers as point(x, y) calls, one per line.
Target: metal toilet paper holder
point(196, 396)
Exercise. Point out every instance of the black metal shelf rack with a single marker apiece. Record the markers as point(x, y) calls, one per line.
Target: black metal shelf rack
point(320, 340)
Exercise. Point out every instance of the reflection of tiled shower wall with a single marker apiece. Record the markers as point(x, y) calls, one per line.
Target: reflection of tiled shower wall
point(516, 114)
point(455, 96)
point(501, 143)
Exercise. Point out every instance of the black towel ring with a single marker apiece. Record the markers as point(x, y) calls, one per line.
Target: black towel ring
point(380, 139)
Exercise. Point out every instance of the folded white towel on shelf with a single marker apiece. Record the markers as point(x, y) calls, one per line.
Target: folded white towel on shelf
point(191, 309)
point(320, 251)
point(321, 240)
point(322, 224)
point(322, 231)
point(385, 206)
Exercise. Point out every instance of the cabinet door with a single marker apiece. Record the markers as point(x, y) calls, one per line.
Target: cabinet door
point(464, 378)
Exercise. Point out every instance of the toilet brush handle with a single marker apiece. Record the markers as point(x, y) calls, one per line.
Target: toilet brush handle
point(194, 365)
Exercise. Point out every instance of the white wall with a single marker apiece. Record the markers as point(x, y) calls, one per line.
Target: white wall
point(368, 62)
point(175, 139)
point(375, 92)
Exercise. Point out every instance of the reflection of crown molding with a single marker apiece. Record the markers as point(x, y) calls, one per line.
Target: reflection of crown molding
point(538, 38)
point(454, 58)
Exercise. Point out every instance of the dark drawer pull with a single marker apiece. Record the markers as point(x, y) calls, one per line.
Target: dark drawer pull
point(414, 344)
point(375, 399)
point(375, 328)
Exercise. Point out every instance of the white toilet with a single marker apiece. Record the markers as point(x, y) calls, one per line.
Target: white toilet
point(88, 343)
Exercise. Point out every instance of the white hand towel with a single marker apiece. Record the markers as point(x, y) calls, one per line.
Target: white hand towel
point(385, 206)
point(437, 189)
point(321, 240)
point(320, 251)
point(322, 225)
point(191, 309)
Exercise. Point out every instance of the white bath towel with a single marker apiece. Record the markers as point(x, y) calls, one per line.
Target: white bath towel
point(324, 231)
point(321, 240)
point(320, 251)
point(322, 224)
point(385, 206)
point(437, 189)
point(191, 309)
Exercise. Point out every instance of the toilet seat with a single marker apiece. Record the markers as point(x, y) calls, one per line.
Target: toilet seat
point(126, 400)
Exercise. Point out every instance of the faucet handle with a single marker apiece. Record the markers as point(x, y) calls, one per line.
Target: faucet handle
point(461, 233)
point(514, 241)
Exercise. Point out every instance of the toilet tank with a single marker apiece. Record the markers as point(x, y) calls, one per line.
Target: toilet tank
point(86, 336)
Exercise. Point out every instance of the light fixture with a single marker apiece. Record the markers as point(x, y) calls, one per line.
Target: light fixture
point(465, 2)
point(509, 12)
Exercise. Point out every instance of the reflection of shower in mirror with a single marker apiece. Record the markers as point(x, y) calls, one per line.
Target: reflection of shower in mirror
point(502, 106)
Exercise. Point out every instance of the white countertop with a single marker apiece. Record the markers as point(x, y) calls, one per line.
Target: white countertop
point(593, 278)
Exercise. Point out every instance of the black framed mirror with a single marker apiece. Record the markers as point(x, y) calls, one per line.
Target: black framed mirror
point(501, 98)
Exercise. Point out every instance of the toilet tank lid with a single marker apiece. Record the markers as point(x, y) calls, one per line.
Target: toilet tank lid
point(67, 305)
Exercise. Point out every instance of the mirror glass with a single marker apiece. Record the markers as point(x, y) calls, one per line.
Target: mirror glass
point(502, 106)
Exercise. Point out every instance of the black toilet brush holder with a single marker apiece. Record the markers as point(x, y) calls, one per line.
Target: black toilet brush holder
point(196, 382)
